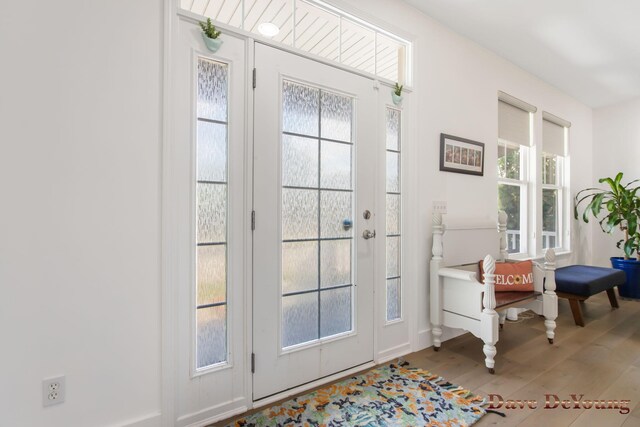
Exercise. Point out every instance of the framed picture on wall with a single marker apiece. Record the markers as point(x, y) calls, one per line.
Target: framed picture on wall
point(461, 155)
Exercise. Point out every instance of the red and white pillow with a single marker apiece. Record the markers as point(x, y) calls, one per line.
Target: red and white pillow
point(512, 276)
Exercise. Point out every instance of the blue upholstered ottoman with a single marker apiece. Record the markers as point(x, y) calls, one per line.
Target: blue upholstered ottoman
point(579, 282)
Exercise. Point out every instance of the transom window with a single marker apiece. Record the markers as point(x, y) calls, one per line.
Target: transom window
point(318, 28)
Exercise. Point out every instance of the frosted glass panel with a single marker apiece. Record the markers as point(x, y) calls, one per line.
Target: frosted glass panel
point(299, 214)
point(212, 90)
point(299, 161)
point(212, 274)
point(299, 319)
point(337, 111)
point(212, 213)
point(212, 151)
point(335, 311)
point(335, 208)
point(300, 109)
point(212, 336)
point(393, 172)
point(393, 214)
point(299, 266)
point(393, 256)
point(393, 299)
point(393, 129)
point(336, 165)
point(335, 259)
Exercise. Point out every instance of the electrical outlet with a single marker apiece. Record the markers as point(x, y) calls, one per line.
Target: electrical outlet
point(440, 206)
point(53, 391)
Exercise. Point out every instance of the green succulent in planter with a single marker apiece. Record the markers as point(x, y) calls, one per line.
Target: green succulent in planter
point(615, 207)
point(398, 89)
point(209, 29)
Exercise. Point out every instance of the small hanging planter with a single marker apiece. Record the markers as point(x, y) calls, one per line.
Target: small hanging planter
point(396, 94)
point(210, 36)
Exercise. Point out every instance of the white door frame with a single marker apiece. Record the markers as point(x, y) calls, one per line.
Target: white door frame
point(169, 311)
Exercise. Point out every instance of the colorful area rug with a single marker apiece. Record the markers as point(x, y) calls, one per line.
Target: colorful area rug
point(390, 395)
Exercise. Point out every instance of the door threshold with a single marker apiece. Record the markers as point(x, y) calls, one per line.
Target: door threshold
point(311, 385)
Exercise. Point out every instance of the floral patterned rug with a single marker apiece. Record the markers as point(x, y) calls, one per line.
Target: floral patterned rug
point(391, 395)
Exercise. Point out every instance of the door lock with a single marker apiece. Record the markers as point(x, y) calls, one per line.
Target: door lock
point(369, 234)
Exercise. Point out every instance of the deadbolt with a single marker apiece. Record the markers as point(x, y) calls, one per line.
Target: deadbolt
point(366, 214)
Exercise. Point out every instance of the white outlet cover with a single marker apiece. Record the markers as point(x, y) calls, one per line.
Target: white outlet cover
point(53, 390)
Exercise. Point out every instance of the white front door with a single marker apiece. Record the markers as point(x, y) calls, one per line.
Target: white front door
point(314, 178)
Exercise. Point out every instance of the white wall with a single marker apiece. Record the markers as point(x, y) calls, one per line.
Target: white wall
point(80, 216)
point(80, 117)
point(456, 90)
point(616, 140)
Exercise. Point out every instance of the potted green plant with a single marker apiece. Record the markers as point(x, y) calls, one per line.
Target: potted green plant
point(617, 207)
point(210, 35)
point(396, 95)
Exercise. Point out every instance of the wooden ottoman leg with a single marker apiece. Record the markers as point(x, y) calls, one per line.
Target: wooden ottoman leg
point(576, 311)
point(612, 298)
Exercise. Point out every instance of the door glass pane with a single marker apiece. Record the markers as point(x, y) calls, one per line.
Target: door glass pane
point(335, 311)
point(317, 229)
point(212, 151)
point(301, 109)
point(299, 161)
point(299, 318)
point(335, 207)
point(212, 274)
point(299, 214)
point(336, 116)
point(394, 296)
point(336, 166)
point(393, 214)
point(211, 212)
point(211, 335)
point(393, 299)
point(335, 258)
point(299, 266)
point(212, 90)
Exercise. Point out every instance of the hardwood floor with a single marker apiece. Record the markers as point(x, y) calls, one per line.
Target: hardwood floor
point(600, 360)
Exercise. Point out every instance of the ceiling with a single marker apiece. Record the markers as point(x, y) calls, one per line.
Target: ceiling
point(589, 49)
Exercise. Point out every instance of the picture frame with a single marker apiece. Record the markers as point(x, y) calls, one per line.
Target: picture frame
point(461, 155)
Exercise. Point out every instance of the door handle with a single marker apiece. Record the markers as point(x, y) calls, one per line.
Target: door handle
point(366, 234)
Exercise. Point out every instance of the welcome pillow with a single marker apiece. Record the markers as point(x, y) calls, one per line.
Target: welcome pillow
point(512, 276)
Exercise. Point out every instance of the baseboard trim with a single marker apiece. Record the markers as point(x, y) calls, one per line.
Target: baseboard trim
point(425, 340)
point(394, 353)
point(214, 414)
point(151, 420)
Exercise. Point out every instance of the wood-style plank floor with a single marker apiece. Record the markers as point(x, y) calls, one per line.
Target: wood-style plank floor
point(601, 361)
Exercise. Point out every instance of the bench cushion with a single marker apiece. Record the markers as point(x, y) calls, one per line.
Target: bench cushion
point(587, 280)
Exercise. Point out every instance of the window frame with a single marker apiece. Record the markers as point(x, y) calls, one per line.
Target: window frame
point(524, 184)
point(558, 186)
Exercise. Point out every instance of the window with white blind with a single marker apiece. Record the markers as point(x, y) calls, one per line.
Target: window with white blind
point(394, 289)
point(554, 149)
point(514, 140)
